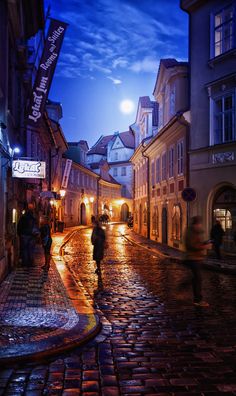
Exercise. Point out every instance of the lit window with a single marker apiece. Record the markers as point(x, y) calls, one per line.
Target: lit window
point(224, 119)
point(155, 221)
point(180, 157)
point(223, 31)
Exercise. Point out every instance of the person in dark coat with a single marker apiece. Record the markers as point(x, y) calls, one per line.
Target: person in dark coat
point(217, 234)
point(46, 239)
point(27, 231)
point(98, 240)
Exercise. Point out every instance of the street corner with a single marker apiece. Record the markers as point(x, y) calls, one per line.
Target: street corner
point(43, 313)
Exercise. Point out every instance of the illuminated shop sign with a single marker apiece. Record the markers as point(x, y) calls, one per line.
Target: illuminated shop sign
point(29, 169)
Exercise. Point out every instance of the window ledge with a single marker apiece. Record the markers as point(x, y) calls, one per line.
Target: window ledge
point(221, 57)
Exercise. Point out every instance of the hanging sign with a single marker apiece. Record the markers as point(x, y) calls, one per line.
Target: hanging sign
point(29, 169)
point(66, 174)
point(45, 72)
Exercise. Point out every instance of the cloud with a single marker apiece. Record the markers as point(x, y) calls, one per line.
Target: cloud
point(123, 35)
point(115, 81)
point(147, 65)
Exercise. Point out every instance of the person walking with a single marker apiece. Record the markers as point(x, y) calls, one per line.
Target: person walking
point(195, 252)
point(46, 239)
point(98, 240)
point(27, 231)
point(217, 234)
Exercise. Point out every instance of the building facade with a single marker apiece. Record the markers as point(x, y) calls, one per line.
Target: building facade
point(160, 161)
point(117, 150)
point(213, 105)
point(19, 21)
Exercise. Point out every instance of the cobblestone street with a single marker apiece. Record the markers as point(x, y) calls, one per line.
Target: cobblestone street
point(154, 341)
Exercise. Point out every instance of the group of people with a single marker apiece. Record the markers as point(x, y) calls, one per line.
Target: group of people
point(29, 232)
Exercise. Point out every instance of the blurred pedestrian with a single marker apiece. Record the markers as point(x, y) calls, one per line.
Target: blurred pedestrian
point(217, 234)
point(195, 252)
point(93, 219)
point(98, 240)
point(46, 239)
point(28, 232)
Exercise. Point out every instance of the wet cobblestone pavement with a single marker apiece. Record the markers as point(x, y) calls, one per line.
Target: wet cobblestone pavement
point(154, 341)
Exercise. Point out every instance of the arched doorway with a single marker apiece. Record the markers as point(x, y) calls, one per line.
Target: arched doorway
point(124, 213)
point(164, 224)
point(224, 210)
point(83, 214)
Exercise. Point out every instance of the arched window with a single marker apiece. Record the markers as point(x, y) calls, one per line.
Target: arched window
point(155, 221)
point(176, 223)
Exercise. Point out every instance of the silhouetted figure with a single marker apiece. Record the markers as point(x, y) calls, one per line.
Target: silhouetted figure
point(28, 231)
point(217, 234)
point(98, 239)
point(46, 239)
point(195, 251)
point(93, 219)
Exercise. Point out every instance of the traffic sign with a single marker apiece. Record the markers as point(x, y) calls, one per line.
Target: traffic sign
point(189, 194)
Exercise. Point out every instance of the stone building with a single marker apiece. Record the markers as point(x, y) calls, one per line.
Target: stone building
point(160, 161)
point(19, 21)
point(213, 103)
point(116, 150)
point(88, 193)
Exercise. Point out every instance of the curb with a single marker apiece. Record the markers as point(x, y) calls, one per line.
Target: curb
point(207, 266)
point(87, 326)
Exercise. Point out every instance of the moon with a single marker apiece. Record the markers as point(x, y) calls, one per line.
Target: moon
point(127, 106)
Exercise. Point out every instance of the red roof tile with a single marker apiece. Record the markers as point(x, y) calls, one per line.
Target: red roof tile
point(101, 146)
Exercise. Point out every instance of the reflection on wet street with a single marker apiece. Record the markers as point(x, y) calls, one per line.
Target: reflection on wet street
point(153, 341)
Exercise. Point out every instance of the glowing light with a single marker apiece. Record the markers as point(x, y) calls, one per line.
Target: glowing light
point(120, 201)
point(91, 199)
point(127, 106)
point(86, 201)
point(52, 202)
point(62, 193)
point(16, 150)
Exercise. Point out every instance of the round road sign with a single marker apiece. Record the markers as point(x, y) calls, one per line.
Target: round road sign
point(189, 194)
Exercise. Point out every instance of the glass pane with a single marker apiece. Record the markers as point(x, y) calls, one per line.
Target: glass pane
point(218, 129)
point(228, 14)
point(218, 19)
point(228, 126)
point(228, 102)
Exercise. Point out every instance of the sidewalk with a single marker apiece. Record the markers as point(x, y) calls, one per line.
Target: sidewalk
point(226, 265)
point(43, 313)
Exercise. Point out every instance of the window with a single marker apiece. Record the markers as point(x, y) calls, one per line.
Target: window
point(223, 31)
point(123, 191)
point(153, 173)
point(116, 156)
point(172, 101)
point(224, 119)
point(171, 162)
point(176, 223)
point(180, 157)
point(114, 171)
point(123, 171)
point(163, 165)
point(158, 170)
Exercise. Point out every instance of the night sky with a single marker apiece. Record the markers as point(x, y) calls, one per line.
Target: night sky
point(110, 53)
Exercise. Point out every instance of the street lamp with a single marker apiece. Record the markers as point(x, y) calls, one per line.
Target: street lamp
point(62, 193)
point(91, 199)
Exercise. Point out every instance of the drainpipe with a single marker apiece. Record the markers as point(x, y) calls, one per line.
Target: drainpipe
point(187, 137)
point(148, 189)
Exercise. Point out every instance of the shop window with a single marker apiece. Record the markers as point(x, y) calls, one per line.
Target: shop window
point(155, 222)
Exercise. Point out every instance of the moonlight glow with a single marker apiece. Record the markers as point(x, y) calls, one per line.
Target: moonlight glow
point(127, 106)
